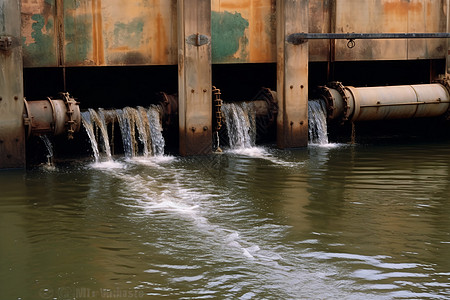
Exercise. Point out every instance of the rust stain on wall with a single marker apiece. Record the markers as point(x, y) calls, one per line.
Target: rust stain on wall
point(97, 33)
point(148, 30)
point(402, 8)
point(161, 54)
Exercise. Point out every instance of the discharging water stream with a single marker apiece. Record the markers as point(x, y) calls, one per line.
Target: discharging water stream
point(323, 222)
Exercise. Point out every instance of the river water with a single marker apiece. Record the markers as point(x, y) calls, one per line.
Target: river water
point(323, 222)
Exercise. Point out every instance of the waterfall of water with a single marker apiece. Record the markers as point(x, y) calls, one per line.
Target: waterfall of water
point(101, 124)
point(140, 128)
point(241, 124)
point(88, 126)
point(143, 125)
point(154, 118)
point(49, 147)
point(126, 124)
point(317, 122)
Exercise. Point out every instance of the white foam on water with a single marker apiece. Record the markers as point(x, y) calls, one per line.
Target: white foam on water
point(262, 153)
point(108, 165)
point(157, 161)
point(327, 145)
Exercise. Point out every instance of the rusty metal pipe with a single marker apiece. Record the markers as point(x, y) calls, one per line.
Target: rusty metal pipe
point(53, 117)
point(261, 107)
point(386, 102)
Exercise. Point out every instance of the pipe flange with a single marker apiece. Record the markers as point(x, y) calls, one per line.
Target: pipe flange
point(338, 86)
point(270, 97)
point(27, 120)
point(72, 124)
point(169, 105)
point(326, 95)
point(446, 83)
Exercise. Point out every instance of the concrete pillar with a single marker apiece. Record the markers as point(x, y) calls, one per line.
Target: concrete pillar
point(12, 133)
point(194, 76)
point(292, 74)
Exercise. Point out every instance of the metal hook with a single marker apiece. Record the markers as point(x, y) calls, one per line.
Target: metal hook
point(351, 43)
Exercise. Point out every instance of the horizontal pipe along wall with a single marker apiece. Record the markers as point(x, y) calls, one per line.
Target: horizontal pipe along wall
point(386, 102)
point(12, 134)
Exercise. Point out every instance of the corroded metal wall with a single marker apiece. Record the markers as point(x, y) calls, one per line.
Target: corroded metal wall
point(243, 31)
point(39, 33)
point(375, 16)
point(99, 33)
point(144, 32)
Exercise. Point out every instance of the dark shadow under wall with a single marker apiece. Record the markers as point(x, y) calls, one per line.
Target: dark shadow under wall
point(117, 87)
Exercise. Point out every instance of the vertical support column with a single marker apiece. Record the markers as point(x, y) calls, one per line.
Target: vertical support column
point(194, 77)
point(12, 133)
point(292, 74)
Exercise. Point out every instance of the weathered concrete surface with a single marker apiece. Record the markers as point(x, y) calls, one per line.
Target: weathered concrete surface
point(12, 133)
point(292, 75)
point(194, 77)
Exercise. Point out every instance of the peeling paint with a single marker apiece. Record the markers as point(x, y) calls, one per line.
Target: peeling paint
point(41, 42)
point(227, 36)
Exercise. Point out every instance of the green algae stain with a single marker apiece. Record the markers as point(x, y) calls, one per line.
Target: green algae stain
point(227, 33)
point(78, 39)
point(71, 4)
point(42, 52)
point(128, 34)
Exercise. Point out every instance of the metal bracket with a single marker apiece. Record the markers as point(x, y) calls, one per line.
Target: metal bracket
point(295, 39)
point(197, 39)
point(6, 43)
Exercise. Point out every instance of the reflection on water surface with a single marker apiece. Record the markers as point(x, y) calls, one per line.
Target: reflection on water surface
point(318, 223)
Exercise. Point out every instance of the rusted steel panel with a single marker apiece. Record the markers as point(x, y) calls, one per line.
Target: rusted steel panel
point(389, 16)
point(79, 29)
point(143, 32)
point(372, 16)
point(320, 22)
point(120, 32)
point(243, 31)
point(140, 32)
point(39, 34)
point(432, 18)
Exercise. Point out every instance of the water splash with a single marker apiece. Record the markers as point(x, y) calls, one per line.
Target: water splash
point(317, 122)
point(49, 147)
point(241, 124)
